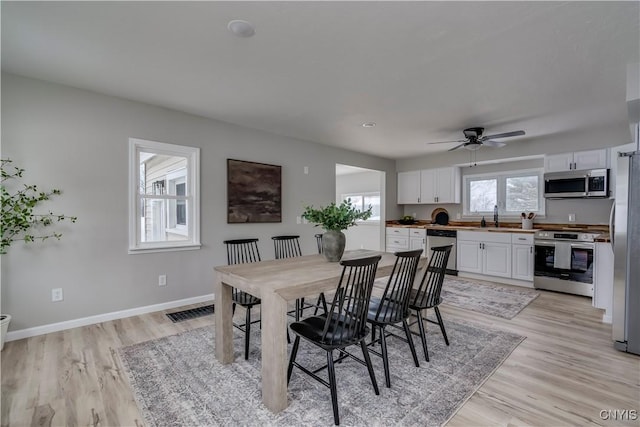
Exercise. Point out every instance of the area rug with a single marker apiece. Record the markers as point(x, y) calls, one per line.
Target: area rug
point(488, 298)
point(177, 381)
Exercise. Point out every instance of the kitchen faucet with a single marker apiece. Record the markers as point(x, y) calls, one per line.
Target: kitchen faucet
point(495, 215)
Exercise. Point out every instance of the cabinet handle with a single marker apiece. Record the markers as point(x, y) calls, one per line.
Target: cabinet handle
point(530, 249)
point(418, 199)
point(521, 238)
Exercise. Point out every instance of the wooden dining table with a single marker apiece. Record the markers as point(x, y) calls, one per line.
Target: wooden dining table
point(277, 282)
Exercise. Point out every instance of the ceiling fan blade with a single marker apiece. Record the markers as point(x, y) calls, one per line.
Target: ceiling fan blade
point(503, 135)
point(491, 143)
point(457, 146)
point(448, 142)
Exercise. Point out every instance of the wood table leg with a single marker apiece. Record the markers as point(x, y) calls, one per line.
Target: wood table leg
point(274, 352)
point(224, 321)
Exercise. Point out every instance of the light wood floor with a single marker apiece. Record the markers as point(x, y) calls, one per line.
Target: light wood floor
point(565, 373)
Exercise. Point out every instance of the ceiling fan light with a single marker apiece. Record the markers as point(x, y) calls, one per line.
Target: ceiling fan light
point(241, 28)
point(473, 146)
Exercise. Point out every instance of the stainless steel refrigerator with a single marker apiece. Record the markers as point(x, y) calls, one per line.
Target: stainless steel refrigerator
point(626, 245)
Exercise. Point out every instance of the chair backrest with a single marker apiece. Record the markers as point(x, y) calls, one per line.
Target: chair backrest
point(319, 242)
point(241, 251)
point(351, 301)
point(428, 294)
point(286, 246)
point(394, 305)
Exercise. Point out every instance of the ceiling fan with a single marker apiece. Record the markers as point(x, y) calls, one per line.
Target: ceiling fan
point(474, 139)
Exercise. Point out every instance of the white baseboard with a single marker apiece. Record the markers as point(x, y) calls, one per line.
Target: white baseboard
point(91, 320)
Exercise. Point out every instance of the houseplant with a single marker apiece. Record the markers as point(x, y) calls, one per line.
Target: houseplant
point(19, 221)
point(333, 219)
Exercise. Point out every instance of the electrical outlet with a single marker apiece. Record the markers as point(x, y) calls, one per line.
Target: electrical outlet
point(572, 217)
point(56, 295)
point(306, 170)
point(162, 280)
point(298, 220)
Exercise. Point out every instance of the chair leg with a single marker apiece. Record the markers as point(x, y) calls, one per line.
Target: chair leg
point(321, 300)
point(367, 359)
point(332, 386)
point(423, 335)
point(441, 323)
point(407, 332)
point(298, 309)
point(292, 358)
point(247, 332)
point(385, 357)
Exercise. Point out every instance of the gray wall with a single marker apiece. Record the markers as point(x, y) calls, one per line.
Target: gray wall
point(77, 141)
point(587, 211)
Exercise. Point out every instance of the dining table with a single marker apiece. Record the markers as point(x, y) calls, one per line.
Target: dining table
point(276, 283)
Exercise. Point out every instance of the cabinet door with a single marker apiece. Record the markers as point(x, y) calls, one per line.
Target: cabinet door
point(428, 178)
point(417, 243)
point(496, 259)
point(409, 187)
point(522, 266)
point(445, 185)
point(558, 162)
point(591, 159)
point(469, 256)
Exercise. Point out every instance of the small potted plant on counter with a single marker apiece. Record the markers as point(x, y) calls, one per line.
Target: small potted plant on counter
point(333, 219)
point(19, 221)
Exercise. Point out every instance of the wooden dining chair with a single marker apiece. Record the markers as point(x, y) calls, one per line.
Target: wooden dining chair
point(241, 251)
point(427, 295)
point(342, 326)
point(393, 307)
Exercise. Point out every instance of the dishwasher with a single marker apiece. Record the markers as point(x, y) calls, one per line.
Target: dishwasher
point(439, 237)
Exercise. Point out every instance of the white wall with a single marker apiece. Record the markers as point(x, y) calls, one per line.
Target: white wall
point(77, 140)
point(365, 235)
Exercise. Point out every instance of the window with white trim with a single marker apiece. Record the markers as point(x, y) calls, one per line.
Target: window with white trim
point(362, 201)
point(513, 193)
point(164, 196)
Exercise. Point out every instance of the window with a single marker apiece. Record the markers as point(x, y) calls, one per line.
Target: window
point(164, 197)
point(512, 192)
point(362, 201)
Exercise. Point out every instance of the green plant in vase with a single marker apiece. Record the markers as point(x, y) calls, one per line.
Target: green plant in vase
point(334, 218)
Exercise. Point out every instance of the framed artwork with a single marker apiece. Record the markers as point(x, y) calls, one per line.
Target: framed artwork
point(254, 192)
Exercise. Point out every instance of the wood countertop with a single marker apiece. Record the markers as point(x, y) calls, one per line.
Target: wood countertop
point(508, 227)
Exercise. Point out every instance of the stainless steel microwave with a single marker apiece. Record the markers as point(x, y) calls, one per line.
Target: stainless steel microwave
point(582, 183)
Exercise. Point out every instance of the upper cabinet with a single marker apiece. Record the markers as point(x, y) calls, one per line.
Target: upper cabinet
point(579, 160)
point(427, 186)
point(408, 187)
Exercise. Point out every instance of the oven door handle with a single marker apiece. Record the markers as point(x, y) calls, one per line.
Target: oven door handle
point(546, 243)
point(582, 246)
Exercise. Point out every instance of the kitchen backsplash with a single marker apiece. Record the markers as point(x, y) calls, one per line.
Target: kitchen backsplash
point(586, 211)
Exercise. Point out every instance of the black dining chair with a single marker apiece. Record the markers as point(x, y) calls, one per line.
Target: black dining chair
point(393, 307)
point(241, 251)
point(319, 242)
point(427, 295)
point(288, 246)
point(344, 325)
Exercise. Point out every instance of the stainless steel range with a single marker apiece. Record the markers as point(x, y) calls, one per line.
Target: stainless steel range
point(564, 261)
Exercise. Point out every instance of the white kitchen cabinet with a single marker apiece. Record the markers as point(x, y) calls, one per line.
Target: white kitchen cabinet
point(440, 185)
point(484, 253)
point(579, 160)
point(418, 239)
point(603, 280)
point(397, 239)
point(522, 257)
point(408, 187)
point(427, 186)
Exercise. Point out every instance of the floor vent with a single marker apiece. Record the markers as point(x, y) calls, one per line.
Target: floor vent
point(192, 313)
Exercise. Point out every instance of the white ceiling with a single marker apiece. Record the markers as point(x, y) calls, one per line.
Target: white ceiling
point(423, 71)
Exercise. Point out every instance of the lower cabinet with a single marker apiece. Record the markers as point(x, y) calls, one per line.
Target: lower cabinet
point(522, 257)
point(404, 239)
point(484, 253)
point(497, 254)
